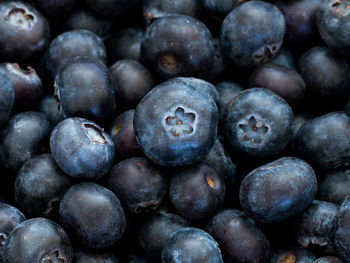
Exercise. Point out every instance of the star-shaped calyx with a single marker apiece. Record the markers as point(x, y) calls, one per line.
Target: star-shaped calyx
point(181, 123)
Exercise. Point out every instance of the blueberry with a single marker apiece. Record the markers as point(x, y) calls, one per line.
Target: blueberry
point(10, 218)
point(49, 106)
point(285, 82)
point(25, 135)
point(324, 141)
point(200, 84)
point(333, 24)
point(284, 58)
point(315, 225)
point(220, 160)
point(156, 230)
point(127, 43)
point(176, 124)
point(26, 84)
point(278, 190)
point(81, 148)
point(123, 135)
point(154, 9)
point(93, 215)
point(258, 123)
point(329, 259)
point(191, 245)
point(24, 32)
point(296, 255)
point(326, 75)
point(40, 185)
point(342, 229)
point(7, 97)
point(227, 90)
point(240, 240)
point(138, 183)
point(75, 43)
point(171, 52)
point(84, 89)
point(197, 191)
point(301, 24)
point(334, 186)
point(86, 19)
point(132, 81)
point(265, 26)
point(40, 240)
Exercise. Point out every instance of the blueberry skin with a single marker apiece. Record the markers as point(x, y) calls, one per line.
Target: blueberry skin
point(227, 90)
point(75, 43)
point(91, 256)
point(138, 183)
point(221, 161)
point(25, 32)
point(200, 84)
point(263, 23)
point(285, 59)
point(26, 84)
point(156, 230)
point(81, 148)
point(301, 23)
point(132, 81)
point(315, 225)
point(154, 9)
point(333, 25)
point(123, 135)
point(41, 240)
point(84, 88)
point(329, 259)
point(111, 8)
point(40, 185)
point(278, 190)
point(297, 255)
point(127, 43)
point(86, 19)
point(285, 82)
point(326, 75)
point(10, 217)
point(25, 135)
point(342, 230)
point(50, 108)
point(178, 45)
point(334, 186)
point(258, 123)
point(240, 240)
point(7, 97)
point(93, 215)
point(324, 141)
point(197, 191)
point(191, 245)
point(176, 124)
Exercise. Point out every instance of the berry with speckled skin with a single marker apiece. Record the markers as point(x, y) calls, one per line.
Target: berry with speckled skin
point(40, 240)
point(178, 45)
point(263, 23)
point(240, 240)
point(176, 124)
point(93, 215)
point(191, 245)
point(342, 230)
point(81, 148)
point(278, 190)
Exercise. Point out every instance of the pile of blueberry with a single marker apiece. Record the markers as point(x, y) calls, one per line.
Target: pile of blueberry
point(174, 131)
